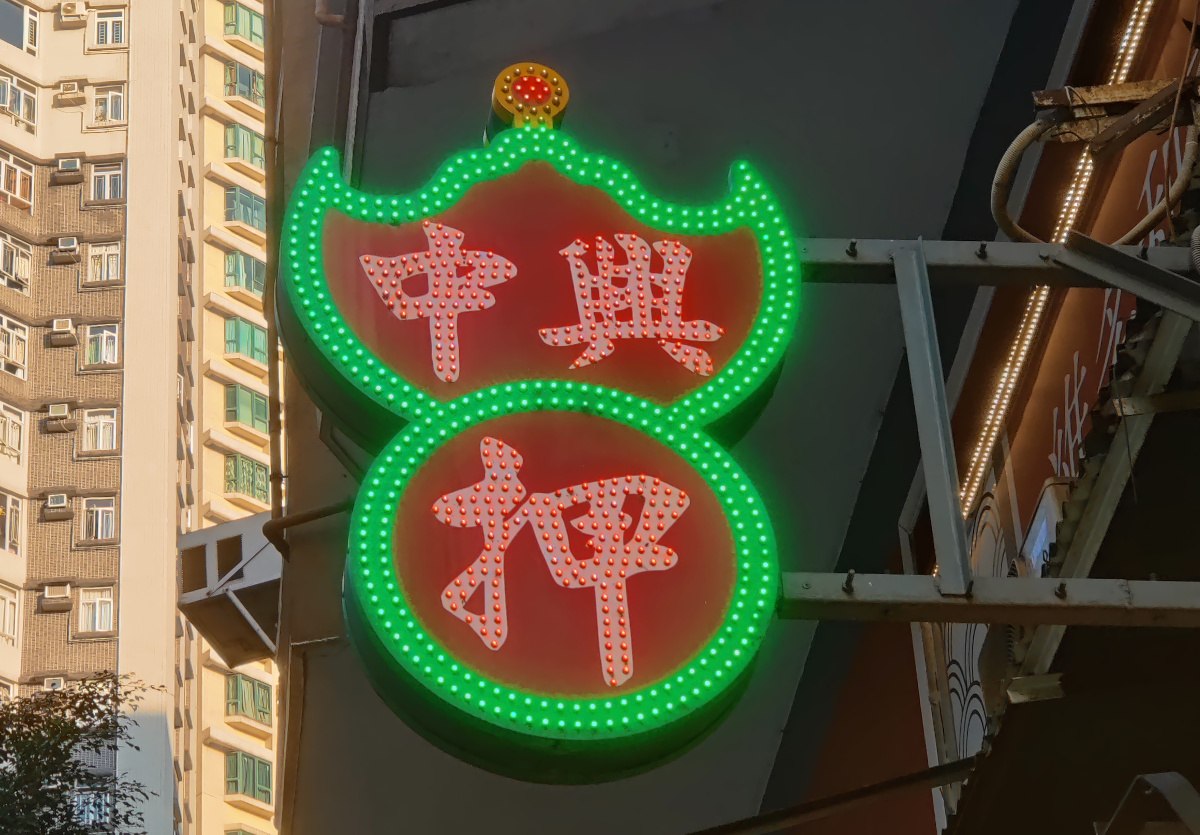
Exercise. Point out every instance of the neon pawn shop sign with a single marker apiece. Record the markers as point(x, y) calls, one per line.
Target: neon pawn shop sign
point(554, 570)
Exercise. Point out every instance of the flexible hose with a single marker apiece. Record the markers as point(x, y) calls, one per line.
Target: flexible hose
point(1196, 249)
point(1002, 182)
point(1182, 179)
point(1002, 188)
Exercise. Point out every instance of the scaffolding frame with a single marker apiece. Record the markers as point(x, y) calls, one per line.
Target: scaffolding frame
point(1162, 275)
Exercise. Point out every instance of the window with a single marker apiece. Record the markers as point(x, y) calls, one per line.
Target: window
point(245, 83)
point(100, 429)
point(10, 523)
point(247, 207)
point(246, 271)
point(8, 617)
point(18, 25)
point(104, 262)
point(242, 405)
point(19, 98)
point(248, 477)
point(246, 338)
point(110, 104)
point(12, 432)
point(7, 690)
point(247, 774)
point(16, 179)
point(93, 807)
point(16, 256)
point(110, 28)
point(243, 22)
point(245, 144)
point(14, 341)
point(99, 519)
point(101, 345)
point(96, 610)
point(106, 181)
point(246, 696)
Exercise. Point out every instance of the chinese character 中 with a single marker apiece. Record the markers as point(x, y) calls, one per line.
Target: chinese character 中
point(502, 507)
point(631, 301)
point(456, 280)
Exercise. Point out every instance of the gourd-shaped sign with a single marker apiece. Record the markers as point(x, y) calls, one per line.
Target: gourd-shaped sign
point(554, 568)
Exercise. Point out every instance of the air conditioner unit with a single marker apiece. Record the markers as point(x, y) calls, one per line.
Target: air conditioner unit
point(68, 164)
point(61, 326)
point(59, 410)
point(57, 592)
point(68, 88)
point(72, 11)
point(56, 683)
point(68, 244)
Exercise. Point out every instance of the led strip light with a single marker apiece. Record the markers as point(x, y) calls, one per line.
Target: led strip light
point(1035, 306)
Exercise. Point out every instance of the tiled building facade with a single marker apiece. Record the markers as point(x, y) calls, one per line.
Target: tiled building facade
point(68, 391)
point(225, 729)
point(85, 560)
point(63, 131)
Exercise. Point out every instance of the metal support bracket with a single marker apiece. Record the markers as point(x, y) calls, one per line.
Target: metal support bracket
point(908, 598)
point(1145, 801)
point(1171, 401)
point(933, 419)
point(1131, 274)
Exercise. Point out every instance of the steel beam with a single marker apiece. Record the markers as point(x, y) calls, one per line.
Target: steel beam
point(966, 263)
point(1171, 401)
point(905, 598)
point(1130, 274)
point(1145, 117)
point(1144, 800)
point(933, 419)
point(815, 810)
point(1110, 484)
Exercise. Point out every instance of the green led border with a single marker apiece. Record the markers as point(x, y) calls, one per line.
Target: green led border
point(749, 203)
point(372, 584)
point(373, 594)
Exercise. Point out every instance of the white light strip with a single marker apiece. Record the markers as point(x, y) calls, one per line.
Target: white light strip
point(1035, 307)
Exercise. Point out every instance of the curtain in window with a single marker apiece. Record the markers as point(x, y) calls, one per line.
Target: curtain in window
point(242, 270)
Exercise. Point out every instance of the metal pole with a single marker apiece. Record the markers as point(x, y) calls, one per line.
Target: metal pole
point(933, 419)
point(939, 775)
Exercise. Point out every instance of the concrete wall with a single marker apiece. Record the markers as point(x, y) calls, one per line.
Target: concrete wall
point(149, 471)
point(860, 115)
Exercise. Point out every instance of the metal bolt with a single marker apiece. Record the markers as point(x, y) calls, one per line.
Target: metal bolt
point(852, 250)
point(982, 251)
point(1144, 253)
point(1060, 591)
point(848, 586)
point(806, 585)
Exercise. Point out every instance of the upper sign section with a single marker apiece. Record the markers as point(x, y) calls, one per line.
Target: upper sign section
point(534, 260)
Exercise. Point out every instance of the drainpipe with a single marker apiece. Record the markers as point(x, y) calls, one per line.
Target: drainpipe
point(325, 18)
point(273, 126)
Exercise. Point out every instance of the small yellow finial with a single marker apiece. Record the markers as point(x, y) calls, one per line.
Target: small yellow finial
point(530, 95)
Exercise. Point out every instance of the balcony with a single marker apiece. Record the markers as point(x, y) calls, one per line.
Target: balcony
point(247, 432)
point(251, 168)
point(253, 727)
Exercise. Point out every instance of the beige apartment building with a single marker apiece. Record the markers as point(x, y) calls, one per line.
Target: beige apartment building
point(225, 721)
point(132, 405)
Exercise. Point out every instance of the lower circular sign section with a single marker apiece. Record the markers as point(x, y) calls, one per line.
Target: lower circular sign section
point(560, 587)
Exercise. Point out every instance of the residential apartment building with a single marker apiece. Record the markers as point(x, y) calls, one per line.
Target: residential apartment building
point(225, 728)
point(111, 442)
point(83, 247)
